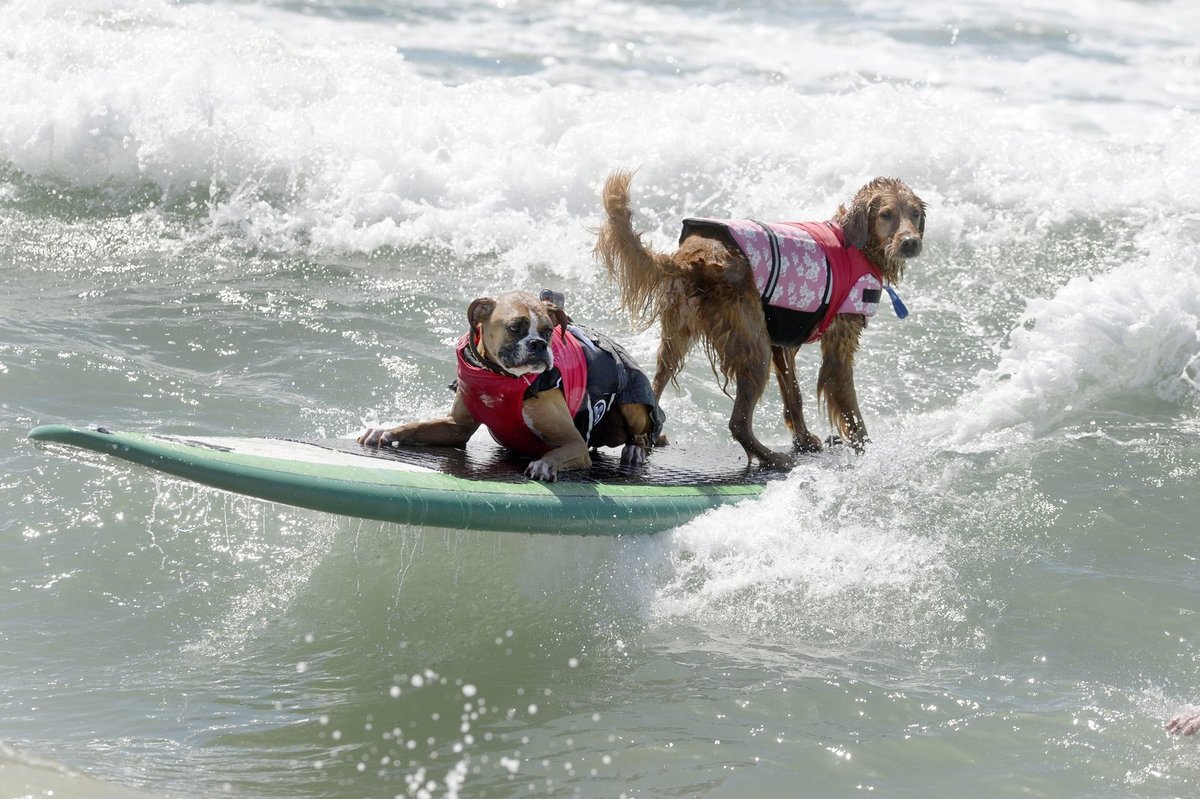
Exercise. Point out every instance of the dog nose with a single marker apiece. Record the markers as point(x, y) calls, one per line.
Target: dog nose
point(537, 345)
point(910, 247)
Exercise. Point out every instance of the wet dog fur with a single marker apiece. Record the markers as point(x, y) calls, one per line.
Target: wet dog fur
point(705, 292)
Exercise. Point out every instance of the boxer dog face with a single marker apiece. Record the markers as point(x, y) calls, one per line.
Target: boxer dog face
point(514, 331)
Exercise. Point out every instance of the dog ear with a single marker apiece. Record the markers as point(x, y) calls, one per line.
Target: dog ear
point(479, 310)
point(856, 223)
point(557, 315)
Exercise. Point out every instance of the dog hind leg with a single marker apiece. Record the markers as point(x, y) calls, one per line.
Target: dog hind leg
point(636, 427)
point(784, 360)
point(751, 383)
point(745, 356)
point(675, 340)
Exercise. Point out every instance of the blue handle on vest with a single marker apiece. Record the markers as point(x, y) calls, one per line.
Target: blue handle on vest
point(897, 303)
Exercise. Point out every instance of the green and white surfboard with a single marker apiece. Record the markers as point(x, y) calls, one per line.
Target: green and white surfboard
point(480, 488)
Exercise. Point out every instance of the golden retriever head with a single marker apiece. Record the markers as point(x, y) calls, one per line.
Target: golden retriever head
point(885, 220)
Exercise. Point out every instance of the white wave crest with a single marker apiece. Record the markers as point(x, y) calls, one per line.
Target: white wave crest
point(1132, 331)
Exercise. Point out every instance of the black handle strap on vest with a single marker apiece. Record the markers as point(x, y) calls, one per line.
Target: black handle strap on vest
point(776, 266)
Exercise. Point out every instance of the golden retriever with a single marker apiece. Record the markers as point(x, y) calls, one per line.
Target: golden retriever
point(706, 290)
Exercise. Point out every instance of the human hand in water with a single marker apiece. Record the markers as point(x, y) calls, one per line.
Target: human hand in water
point(1185, 722)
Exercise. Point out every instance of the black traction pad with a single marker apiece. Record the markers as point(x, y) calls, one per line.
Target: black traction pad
point(667, 466)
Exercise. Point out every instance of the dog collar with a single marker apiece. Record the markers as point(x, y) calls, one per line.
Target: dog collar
point(473, 357)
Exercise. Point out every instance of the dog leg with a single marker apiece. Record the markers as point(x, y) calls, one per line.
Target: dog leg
point(626, 425)
point(784, 359)
point(835, 384)
point(670, 361)
point(547, 416)
point(453, 430)
point(445, 432)
point(633, 455)
point(673, 345)
point(635, 418)
point(751, 381)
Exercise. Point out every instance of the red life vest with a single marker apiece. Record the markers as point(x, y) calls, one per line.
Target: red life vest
point(805, 273)
point(497, 400)
point(849, 266)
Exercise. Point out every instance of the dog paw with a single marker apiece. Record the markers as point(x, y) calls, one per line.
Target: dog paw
point(807, 443)
point(859, 445)
point(374, 437)
point(633, 455)
point(777, 460)
point(540, 470)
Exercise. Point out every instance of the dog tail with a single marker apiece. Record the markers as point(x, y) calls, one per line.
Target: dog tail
point(638, 271)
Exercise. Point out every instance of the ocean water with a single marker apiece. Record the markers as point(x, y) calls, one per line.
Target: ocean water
point(267, 217)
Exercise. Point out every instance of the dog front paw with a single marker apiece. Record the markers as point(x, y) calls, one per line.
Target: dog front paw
point(373, 437)
point(379, 437)
point(540, 470)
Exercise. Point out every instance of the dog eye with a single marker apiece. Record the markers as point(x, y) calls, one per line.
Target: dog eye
point(885, 214)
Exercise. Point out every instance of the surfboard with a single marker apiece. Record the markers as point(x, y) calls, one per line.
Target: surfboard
point(479, 488)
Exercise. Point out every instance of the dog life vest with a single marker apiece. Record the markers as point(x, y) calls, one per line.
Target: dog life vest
point(805, 273)
point(497, 400)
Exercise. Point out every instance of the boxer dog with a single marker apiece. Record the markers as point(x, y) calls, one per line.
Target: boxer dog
point(544, 387)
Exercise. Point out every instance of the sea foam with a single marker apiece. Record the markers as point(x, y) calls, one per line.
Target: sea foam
point(320, 135)
point(1133, 331)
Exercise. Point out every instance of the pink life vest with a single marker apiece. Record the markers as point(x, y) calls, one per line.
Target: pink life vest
point(805, 267)
point(497, 400)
